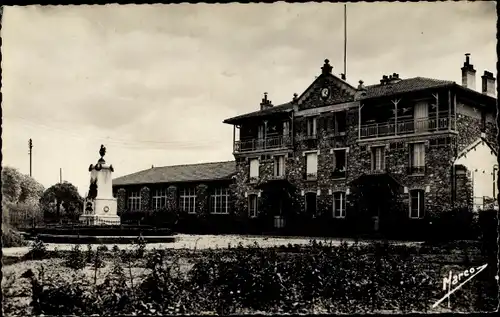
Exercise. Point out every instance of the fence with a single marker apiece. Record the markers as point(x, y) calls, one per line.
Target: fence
point(25, 218)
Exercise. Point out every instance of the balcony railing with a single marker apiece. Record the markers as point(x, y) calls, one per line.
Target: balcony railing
point(253, 179)
point(311, 176)
point(416, 170)
point(274, 142)
point(338, 174)
point(413, 126)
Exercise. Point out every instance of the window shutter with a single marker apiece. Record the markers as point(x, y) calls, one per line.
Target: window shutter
point(254, 168)
point(312, 163)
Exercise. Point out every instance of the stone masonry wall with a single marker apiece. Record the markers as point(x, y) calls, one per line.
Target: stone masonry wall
point(121, 200)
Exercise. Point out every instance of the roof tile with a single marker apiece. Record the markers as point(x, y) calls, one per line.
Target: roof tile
point(404, 86)
point(180, 173)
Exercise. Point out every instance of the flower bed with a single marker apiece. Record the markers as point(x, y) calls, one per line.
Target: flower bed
point(287, 279)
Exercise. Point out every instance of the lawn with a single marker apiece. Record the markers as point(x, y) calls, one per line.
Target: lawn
point(261, 275)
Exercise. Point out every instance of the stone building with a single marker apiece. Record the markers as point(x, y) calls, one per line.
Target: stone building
point(366, 157)
point(191, 190)
point(339, 157)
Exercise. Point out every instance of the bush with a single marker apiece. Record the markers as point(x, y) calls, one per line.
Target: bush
point(342, 279)
point(11, 238)
point(456, 224)
point(75, 259)
point(37, 251)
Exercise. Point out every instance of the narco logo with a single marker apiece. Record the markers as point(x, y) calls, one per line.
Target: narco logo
point(457, 278)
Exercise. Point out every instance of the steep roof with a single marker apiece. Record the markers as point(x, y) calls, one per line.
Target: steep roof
point(404, 86)
point(474, 144)
point(180, 173)
point(275, 109)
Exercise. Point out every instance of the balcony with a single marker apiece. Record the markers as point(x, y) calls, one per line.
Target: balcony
point(416, 170)
point(270, 143)
point(405, 127)
point(337, 174)
point(311, 176)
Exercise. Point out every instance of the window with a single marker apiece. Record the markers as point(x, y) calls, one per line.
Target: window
point(188, 200)
point(311, 127)
point(417, 158)
point(335, 122)
point(252, 206)
point(254, 169)
point(260, 132)
point(279, 165)
point(219, 201)
point(311, 165)
point(339, 163)
point(134, 201)
point(416, 204)
point(286, 128)
point(340, 122)
point(378, 158)
point(339, 205)
point(160, 198)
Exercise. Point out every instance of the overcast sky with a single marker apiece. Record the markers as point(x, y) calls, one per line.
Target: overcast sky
point(154, 82)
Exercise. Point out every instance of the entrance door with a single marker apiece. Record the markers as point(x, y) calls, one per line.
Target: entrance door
point(375, 210)
point(311, 204)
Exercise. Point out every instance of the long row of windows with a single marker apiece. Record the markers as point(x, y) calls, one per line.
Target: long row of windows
point(219, 200)
point(416, 204)
point(338, 205)
point(378, 161)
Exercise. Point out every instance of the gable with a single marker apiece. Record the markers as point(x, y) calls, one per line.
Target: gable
point(338, 91)
point(477, 154)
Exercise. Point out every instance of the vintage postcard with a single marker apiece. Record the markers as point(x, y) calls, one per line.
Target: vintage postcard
point(261, 158)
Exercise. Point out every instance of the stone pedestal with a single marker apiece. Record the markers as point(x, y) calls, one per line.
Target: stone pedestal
point(100, 206)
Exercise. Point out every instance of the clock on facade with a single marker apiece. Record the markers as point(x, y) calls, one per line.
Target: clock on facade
point(106, 209)
point(325, 92)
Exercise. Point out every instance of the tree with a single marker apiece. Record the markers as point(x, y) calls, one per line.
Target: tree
point(11, 184)
point(31, 190)
point(21, 195)
point(62, 197)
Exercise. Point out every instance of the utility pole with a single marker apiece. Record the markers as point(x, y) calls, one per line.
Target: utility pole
point(30, 145)
point(60, 175)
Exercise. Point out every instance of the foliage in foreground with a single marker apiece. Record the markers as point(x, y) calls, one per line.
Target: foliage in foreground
point(343, 279)
point(11, 238)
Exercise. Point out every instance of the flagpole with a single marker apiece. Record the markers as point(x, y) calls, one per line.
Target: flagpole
point(345, 41)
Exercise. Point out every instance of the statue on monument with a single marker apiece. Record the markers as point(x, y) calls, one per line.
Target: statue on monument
point(102, 151)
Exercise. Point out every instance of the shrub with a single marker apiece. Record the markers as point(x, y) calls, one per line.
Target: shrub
point(75, 258)
point(341, 279)
point(37, 250)
point(11, 238)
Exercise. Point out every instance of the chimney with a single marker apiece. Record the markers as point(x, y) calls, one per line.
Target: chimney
point(342, 76)
point(468, 74)
point(488, 84)
point(327, 68)
point(266, 103)
point(394, 78)
point(295, 97)
point(384, 80)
